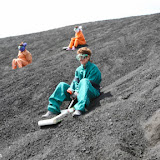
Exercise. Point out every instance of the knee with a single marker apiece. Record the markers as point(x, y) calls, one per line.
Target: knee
point(85, 81)
point(76, 39)
point(13, 60)
point(61, 84)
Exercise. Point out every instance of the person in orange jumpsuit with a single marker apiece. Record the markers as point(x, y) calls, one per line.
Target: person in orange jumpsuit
point(77, 40)
point(24, 57)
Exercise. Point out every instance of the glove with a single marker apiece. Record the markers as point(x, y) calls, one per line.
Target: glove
point(74, 95)
point(70, 91)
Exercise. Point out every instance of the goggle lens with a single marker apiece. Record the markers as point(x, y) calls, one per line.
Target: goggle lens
point(81, 56)
point(21, 48)
point(75, 29)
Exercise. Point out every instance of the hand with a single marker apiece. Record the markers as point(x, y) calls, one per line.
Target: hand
point(74, 95)
point(70, 91)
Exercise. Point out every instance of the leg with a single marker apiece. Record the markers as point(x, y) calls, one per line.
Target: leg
point(86, 93)
point(71, 42)
point(24, 63)
point(76, 43)
point(79, 42)
point(14, 64)
point(59, 95)
point(21, 63)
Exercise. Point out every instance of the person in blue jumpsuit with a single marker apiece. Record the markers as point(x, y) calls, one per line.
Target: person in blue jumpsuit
point(85, 86)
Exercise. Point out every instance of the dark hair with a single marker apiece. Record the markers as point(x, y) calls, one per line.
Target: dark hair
point(21, 44)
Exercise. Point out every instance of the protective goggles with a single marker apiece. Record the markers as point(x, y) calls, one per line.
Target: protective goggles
point(81, 56)
point(21, 48)
point(76, 29)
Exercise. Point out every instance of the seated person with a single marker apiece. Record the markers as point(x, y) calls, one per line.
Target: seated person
point(85, 86)
point(24, 57)
point(77, 40)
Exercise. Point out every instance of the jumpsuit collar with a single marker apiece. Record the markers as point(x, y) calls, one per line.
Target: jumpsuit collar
point(87, 64)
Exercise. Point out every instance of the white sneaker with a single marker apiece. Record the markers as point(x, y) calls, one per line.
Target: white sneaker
point(73, 48)
point(76, 113)
point(47, 114)
point(68, 49)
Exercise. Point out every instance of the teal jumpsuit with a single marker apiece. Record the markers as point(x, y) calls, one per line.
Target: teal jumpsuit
point(86, 82)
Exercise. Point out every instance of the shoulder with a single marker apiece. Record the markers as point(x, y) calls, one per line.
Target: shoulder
point(79, 33)
point(79, 68)
point(94, 67)
point(26, 52)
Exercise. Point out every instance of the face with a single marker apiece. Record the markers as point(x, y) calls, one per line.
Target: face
point(84, 61)
point(21, 48)
point(83, 58)
point(76, 30)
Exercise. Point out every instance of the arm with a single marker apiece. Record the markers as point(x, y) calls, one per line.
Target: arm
point(95, 77)
point(79, 35)
point(28, 57)
point(73, 89)
point(75, 82)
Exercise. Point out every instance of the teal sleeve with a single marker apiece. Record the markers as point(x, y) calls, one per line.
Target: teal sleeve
point(95, 75)
point(75, 82)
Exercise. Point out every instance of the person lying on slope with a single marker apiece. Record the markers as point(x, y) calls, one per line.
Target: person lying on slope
point(24, 57)
point(85, 86)
point(77, 40)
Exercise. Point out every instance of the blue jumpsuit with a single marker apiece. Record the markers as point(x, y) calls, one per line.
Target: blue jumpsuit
point(86, 82)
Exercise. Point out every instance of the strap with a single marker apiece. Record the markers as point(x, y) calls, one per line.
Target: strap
point(95, 85)
point(76, 79)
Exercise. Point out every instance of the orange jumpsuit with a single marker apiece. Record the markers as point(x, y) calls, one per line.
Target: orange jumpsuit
point(77, 40)
point(24, 58)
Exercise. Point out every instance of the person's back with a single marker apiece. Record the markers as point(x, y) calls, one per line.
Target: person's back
point(28, 56)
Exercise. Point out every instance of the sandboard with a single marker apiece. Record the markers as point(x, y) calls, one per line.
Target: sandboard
point(58, 118)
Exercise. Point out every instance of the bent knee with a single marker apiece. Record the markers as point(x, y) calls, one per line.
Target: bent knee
point(62, 84)
point(14, 59)
point(84, 80)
